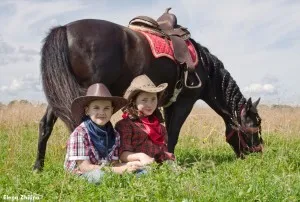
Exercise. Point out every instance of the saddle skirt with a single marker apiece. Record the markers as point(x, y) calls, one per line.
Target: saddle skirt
point(163, 47)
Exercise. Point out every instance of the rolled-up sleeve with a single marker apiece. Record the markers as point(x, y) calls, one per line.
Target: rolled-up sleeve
point(126, 132)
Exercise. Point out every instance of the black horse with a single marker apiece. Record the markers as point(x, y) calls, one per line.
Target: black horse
point(84, 52)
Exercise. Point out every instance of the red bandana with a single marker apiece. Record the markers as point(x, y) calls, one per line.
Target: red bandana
point(153, 128)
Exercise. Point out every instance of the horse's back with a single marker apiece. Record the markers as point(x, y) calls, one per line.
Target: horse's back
point(88, 27)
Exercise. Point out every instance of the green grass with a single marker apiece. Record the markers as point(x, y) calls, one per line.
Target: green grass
point(205, 171)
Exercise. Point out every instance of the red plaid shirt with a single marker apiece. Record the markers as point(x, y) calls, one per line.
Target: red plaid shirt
point(80, 147)
point(135, 139)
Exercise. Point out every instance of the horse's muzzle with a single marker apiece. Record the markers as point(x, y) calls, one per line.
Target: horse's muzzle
point(258, 148)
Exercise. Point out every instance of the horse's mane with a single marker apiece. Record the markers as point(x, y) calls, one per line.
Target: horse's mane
point(231, 94)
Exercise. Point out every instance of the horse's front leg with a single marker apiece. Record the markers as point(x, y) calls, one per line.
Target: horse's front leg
point(175, 115)
point(45, 129)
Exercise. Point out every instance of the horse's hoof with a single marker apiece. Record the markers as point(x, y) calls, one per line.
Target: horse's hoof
point(37, 168)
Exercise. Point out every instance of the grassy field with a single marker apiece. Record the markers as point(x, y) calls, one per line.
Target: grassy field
point(207, 169)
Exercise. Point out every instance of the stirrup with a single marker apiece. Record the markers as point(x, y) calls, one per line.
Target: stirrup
point(186, 73)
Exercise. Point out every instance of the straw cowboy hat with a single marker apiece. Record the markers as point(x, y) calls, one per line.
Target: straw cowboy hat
point(96, 91)
point(143, 83)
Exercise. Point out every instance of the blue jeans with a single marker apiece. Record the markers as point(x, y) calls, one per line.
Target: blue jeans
point(94, 176)
point(141, 172)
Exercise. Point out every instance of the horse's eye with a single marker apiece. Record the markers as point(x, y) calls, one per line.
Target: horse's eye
point(258, 119)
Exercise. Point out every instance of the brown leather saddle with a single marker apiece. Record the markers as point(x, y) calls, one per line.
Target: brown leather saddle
point(166, 26)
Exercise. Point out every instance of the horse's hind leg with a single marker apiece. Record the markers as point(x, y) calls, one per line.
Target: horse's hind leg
point(45, 129)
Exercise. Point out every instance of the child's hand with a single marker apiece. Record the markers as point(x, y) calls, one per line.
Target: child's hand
point(133, 166)
point(145, 159)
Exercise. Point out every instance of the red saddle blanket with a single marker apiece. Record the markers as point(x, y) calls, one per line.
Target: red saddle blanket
point(160, 47)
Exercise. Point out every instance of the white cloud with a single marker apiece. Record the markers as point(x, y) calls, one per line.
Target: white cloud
point(29, 21)
point(11, 54)
point(27, 83)
point(257, 88)
point(27, 51)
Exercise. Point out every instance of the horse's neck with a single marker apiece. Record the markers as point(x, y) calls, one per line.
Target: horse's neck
point(225, 96)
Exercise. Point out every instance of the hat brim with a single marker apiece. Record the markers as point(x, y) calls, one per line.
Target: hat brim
point(79, 104)
point(150, 89)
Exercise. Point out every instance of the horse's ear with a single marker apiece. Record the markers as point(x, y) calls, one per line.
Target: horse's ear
point(254, 104)
point(249, 104)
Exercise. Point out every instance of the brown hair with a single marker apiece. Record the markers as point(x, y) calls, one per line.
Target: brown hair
point(133, 113)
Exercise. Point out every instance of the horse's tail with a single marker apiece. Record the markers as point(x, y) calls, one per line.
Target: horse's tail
point(59, 84)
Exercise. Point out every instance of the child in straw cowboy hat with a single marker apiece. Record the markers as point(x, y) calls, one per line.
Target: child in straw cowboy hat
point(95, 143)
point(143, 137)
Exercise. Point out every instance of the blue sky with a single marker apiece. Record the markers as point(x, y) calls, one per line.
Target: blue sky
point(257, 41)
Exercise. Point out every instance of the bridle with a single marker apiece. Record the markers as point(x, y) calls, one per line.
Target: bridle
point(239, 129)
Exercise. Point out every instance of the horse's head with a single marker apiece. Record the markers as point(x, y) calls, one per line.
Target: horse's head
point(244, 132)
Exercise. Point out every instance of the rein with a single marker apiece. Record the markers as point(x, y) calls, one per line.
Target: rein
point(243, 142)
point(239, 129)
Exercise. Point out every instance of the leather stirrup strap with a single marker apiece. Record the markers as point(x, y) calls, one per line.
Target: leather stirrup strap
point(181, 53)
